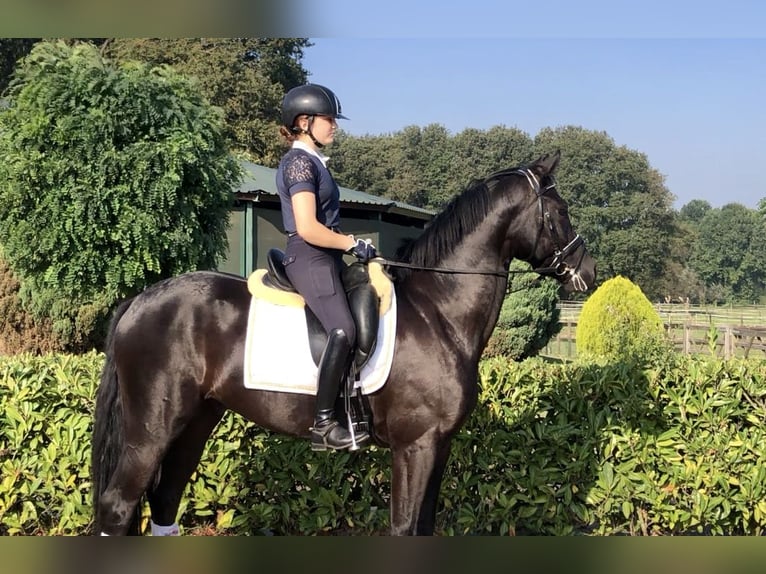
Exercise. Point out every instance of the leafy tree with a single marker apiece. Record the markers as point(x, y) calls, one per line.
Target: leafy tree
point(618, 203)
point(727, 254)
point(246, 77)
point(529, 317)
point(368, 163)
point(694, 211)
point(477, 153)
point(681, 283)
point(396, 166)
point(426, 155)
point(425, 166)
point(113, 178)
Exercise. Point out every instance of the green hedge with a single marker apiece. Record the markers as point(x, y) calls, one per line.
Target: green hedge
point(550, 449)
point(578, 448)
point(45, 422)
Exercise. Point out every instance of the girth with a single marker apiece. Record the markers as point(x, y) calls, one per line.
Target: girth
point(362, 300)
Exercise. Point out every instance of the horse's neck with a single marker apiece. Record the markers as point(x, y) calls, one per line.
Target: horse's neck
point(466, 306)
point(481, 298)
point(476, 299)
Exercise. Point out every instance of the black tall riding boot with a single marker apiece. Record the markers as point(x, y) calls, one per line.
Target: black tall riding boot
point(327, 432)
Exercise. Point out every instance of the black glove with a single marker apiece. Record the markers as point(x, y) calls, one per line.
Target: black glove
point(363, 250)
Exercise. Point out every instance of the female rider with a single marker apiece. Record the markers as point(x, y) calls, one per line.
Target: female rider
point(310, 205)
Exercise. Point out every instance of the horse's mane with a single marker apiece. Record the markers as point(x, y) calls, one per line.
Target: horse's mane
point(459, 217)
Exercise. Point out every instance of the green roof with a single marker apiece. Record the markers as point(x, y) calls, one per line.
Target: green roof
point(258, 180)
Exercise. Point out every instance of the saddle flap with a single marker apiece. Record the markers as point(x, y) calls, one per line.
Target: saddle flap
point(363, 285)
point(364, 303)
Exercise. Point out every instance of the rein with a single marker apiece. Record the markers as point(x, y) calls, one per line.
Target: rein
point(499, 273)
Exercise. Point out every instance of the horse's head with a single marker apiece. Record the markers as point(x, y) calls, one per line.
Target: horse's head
point(556, 250)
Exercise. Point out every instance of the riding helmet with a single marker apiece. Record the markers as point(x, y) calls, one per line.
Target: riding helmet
point(312, 100)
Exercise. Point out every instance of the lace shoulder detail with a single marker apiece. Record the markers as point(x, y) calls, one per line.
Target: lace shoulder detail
point(299, 169)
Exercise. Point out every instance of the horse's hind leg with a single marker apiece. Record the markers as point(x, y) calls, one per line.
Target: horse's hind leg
point(151, 424)
point(179, 463)
point(118, 503)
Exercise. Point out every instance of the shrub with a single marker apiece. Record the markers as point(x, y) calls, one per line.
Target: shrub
point(529, 317)
point(45, 420)
point(619, 323)
point(554, 449)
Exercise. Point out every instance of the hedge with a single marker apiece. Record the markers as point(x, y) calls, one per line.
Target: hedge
point(553, 449)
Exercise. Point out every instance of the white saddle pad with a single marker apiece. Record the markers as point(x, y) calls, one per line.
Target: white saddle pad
point(278, 356)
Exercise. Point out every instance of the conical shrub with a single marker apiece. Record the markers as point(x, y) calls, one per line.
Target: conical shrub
point(618, 323)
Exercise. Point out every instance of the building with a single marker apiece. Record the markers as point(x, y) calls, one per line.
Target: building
point(255, 225)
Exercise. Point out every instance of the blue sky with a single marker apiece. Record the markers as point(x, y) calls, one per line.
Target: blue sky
point(683, 82)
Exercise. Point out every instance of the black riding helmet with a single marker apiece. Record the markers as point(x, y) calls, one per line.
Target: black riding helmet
point(312, 100)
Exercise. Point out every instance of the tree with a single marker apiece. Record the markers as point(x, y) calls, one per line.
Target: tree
point(727, 254)
point(426, 166)
point(113, 178)
point(390, 165)
point(478, 153)
point(246, 77)
point(680, 282)
point(365, 163)
point(425, 157)
point(618, 203)
point(694, 211)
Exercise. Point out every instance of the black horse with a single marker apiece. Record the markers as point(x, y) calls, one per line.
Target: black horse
point(174, 358)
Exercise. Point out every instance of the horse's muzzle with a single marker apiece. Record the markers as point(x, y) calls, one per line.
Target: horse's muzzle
point(581, 278)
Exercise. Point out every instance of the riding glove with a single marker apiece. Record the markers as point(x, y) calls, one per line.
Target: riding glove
point(363, 250)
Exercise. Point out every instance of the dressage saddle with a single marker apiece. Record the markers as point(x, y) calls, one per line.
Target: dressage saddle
point(362, 300)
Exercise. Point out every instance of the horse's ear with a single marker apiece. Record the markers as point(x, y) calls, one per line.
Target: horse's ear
point(546, 165)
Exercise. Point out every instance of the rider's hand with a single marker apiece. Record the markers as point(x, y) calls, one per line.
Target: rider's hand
point(363, 250)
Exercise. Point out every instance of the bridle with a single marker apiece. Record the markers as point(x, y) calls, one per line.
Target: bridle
point(557, 266)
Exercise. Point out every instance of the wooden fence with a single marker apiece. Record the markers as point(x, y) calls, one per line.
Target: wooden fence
point(724, 331)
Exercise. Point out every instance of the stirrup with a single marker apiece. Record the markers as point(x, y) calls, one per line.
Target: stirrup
point(320, 438)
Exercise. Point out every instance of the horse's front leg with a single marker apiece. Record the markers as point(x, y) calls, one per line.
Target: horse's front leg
point(416, 479)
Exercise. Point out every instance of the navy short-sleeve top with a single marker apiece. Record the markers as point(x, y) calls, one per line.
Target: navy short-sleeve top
point(301, 171)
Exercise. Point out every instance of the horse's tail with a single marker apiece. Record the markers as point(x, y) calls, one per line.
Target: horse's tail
point(108, 426)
